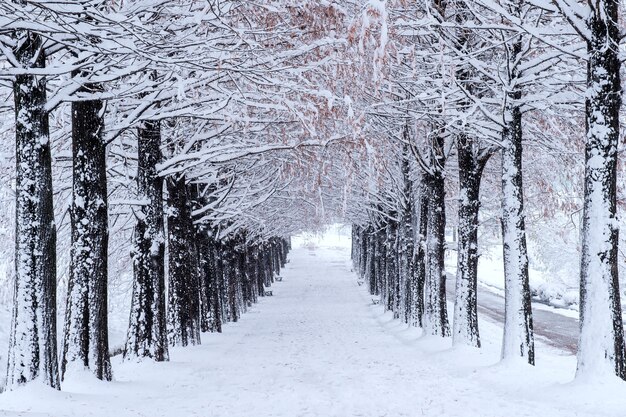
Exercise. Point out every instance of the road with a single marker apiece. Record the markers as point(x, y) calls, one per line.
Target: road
point(556, 329)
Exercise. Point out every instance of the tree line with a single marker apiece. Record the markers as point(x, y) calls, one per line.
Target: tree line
point(141, 82)
point(475, 83)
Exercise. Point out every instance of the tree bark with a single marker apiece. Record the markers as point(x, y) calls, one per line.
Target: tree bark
point(465, 323)
point(518, 339)
point(435, 320)
point(406, 241)
point(601, 344)
point(33, 336)
point(183, 290)
point(418, 267)
point(86, 342)
point(391, 272)
point(147, 335)
point(210, 312)
point(370, 268)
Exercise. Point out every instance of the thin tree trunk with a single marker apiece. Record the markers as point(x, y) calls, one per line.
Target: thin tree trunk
point(220, 279)
point(391, 272)
point(214, 296)
point(405, 238)
point(210, 313)
point(370, 268)
point(33, 336)
point(381, 237)
point(419, 258)
point(397, 283)
point(260, 270)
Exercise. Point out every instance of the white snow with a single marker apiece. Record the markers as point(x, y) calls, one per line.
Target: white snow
point(319, 347)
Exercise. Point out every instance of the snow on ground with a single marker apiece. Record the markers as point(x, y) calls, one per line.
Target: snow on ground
point(558, 289)
point(319, 347)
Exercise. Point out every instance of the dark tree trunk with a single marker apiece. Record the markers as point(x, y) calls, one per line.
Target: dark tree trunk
point(370, 275)
point(227, 289)
point(215, 299)
point(601, 344)
point(183, 290)
point(363, 242)
point(435, 319)
point(406, 246)
point(381, 265)
point(260, 270)
point(276, 256)
point(397, 283)
point(267, 263)
point(406, 270)
point(33, 337)
point(210, 313)
point(465, 323)
point(240, 277)
point(391, 266)
point(251, 271)
point(220, 279)
point(147, 335)
point(204, 249)
point(230, 276)
point(354, 244)
point(86, 342)
point(284, 251)
point(419, 258)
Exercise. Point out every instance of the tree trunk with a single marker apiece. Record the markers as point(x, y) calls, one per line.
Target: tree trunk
point(210, 313)
point(260, 270)
point(354, 244)
point(601, 344)
point(216, 301)
point(405, 238)
point(370, 269)
point(397, 282)
point(252, 272)
point(418, 267)
point(435, 319)
point(147, 336)
point(229, 289)
point(183, 290)
point(86, 342)
point(33, 338)
point(240, 274)
point(218, 265)
point(381, 264)
point(465, 324)
point(363, 242)
point(518, 340)
point(391, 272)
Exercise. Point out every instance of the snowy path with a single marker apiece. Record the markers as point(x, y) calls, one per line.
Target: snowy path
point(320, 348)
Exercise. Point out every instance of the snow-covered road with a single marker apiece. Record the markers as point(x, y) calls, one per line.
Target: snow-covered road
point(319, 347)
point(558, 330)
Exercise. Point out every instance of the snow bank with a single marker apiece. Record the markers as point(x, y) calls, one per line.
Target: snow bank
point(558, 289)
